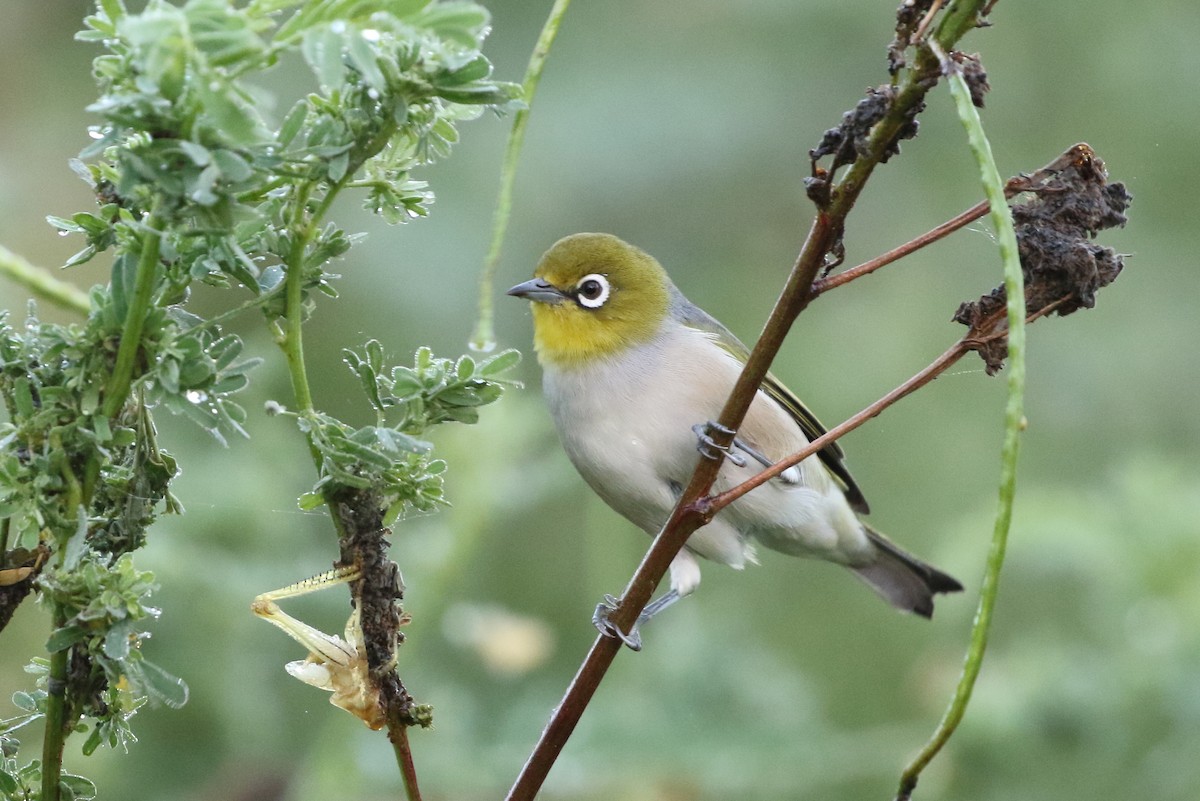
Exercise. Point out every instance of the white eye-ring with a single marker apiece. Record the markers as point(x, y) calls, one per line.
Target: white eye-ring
point(592, 291)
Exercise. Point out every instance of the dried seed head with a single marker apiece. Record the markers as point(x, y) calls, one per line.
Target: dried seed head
point(1061, 208)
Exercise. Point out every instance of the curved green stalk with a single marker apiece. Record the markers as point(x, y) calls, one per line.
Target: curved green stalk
point(304, 228)
point(117, 390)
point(484, 338)
point(293, 342)
point(55, 736)
point(40, 282)
point(1014, 421)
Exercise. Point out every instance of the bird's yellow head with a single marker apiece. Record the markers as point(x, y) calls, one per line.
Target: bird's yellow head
point(594, 295)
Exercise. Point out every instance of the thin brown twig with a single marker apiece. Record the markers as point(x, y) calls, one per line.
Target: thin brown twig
point(1014, 186)
point(404, 758)
point(895, 254)
point(708, 507)
point(926, 20)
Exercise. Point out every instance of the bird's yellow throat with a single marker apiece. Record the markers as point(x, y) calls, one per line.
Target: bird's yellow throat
point(567, 336)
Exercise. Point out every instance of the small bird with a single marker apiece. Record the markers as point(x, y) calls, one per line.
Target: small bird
point(631, 371)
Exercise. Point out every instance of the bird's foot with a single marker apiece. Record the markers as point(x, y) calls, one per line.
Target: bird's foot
point(741, 445)
point(737, 451)
point(709, 449)
point(600, 620)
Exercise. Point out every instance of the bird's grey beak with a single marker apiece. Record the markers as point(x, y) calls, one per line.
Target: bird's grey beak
point(539, 290)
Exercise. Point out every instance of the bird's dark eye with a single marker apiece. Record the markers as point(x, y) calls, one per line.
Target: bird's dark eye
point(592, 291)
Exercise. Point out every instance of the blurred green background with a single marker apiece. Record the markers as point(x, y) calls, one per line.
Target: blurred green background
point(684, 128)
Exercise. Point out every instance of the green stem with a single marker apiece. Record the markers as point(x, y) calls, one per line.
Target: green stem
point(55, 737)
point(304, 228)
point(293, 343)
point(1013, 419)
point(40, 282)
point(117, 390)
point(484, 338)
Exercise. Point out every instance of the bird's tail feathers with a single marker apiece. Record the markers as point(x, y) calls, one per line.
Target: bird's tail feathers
point(902, 579)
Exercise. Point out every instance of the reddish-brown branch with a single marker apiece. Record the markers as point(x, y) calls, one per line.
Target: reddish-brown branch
point(1014, 186)
point(895, 254)
point(398, 734)
point(707, 507)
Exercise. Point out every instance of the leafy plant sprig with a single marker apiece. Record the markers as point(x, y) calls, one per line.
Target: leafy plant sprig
point(196, 181)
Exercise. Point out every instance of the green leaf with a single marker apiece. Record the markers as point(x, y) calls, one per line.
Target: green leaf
point(231, 384)
point(238, 264)
point(116, 641)
point(393, 512)
point(163, 686)
point(124, 272)
point(23, 397)
point(501, 362)
point(405, 382)
point(101, 428)
point(475, 95)
point(292, 123)
point(364, 59)
point(228, 115)
point(322, 49)
point(24, 701)
point(78, 786)
point(362, 451)
point(81, 257)
point(338, 166)
point(395, 442)
point(462, 414)
point(233, 167)
point(63, 224)
point(366, 376)
point(373, 348)
point(63, 638)
point(8, 784)
point(406, 8)
point(114, 9)
point(168, 376)
point(311, 500)
point(465, 368)
point(198, 153)
point(94, 741)
point(76, 545)
point(124, 437)
point(461, 23)
point(474, 70)
point(89, 400)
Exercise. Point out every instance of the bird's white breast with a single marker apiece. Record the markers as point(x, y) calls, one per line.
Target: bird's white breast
point(625, 422)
